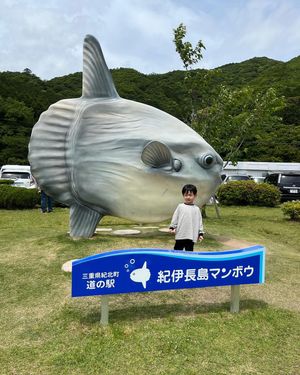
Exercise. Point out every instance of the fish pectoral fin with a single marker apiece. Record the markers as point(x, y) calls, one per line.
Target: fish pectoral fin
point(97, 80)
point(83, 221)
point(156, 155)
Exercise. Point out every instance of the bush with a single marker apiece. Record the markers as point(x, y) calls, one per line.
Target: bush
point(292, 209)
point(17, 197)
point(6, 182)
point(268, 195)
point(244, 193)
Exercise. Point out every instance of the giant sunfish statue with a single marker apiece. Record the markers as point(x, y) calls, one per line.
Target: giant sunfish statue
point(103, 155)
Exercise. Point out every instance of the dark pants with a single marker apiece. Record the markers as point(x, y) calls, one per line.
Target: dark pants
point(187, 245)
point(46, 202)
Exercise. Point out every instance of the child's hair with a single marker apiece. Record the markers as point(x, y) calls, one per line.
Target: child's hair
point(189, 188)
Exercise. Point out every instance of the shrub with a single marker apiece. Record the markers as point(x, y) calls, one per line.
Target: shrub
point(248, 193)
point(6, 182)
point(268, 195)
point(292, 209)
point(17, 197)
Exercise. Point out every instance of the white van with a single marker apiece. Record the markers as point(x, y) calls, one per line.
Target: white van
point(21, 175)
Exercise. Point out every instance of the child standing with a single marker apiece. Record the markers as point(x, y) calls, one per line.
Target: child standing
point(187, 221)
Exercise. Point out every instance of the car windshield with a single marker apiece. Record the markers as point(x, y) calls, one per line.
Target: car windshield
point(14, 175)
point(290, 180)
point(237, 178)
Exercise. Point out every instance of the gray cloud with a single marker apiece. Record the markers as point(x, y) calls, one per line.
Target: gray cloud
point(47, 36)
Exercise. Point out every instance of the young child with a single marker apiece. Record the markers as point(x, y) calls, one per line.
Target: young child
point(187, 221)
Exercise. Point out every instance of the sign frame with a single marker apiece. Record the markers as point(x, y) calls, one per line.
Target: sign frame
point(147, 270)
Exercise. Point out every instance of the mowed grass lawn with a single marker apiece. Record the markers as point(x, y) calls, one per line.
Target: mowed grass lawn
point(45, 331)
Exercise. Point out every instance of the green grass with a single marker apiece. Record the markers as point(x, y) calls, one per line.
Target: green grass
point(45, 331)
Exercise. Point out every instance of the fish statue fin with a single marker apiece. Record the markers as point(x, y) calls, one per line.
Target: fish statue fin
point(144, 284)
point(156, 154)
point(97, 81)
point(83, 221)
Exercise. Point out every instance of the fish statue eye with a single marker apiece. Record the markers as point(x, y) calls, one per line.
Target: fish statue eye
point(156, 155)
point(207, 160)
point(177, 165)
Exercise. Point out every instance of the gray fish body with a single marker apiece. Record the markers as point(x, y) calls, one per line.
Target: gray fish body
point(104, 155)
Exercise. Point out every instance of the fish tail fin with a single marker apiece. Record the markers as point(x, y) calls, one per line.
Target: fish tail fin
point(83, 221)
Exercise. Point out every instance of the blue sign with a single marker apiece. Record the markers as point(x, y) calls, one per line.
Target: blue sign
point(145, 270)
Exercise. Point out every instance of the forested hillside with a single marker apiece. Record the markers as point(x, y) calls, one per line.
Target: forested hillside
point(23, 97)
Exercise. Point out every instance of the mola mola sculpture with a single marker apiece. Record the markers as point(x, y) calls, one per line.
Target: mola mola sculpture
point(101, 154)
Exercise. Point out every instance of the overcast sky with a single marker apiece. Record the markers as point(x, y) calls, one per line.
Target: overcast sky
point(47, 36)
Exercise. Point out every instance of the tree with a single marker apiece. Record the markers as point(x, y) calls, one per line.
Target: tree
point(189, 56)
point(232, 117)
point(187, 53)
point(16, 121)
point(27, 71)
point(229, 118)
point(238, 116)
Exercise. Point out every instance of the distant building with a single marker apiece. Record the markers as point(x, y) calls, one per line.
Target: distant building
point(259, 169)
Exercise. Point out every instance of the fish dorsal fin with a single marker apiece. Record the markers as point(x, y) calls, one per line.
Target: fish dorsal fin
point(145, 265)
point(97, 81)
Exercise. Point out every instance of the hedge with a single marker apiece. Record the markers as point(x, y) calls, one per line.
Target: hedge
point(17, 197)
point(292, 209)
point(244, 193)
point(6, 182)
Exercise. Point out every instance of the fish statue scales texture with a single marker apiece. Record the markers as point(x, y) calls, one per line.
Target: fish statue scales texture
point(101, 154)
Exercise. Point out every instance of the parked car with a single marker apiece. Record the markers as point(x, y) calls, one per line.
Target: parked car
point(20, 174)
point(259, 180)
point(240, 177)
point(288, 184)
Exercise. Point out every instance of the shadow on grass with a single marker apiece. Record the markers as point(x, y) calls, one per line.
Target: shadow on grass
point(168, 310)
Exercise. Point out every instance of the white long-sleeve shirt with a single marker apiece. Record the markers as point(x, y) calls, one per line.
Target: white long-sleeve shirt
point(187, 220)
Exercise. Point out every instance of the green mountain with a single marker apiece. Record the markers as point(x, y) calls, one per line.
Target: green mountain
point(24, 96)
point(244, 73)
